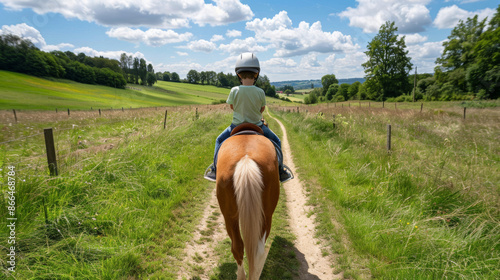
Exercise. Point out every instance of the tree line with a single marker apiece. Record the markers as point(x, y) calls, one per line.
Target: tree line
point(19, 55)
point(220, 79)
point(468, 68)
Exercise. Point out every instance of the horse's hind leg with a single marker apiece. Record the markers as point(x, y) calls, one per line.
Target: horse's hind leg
point(237, 248)
point(229, 209)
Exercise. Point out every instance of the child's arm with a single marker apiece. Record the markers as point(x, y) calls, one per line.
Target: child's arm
point(262, 109)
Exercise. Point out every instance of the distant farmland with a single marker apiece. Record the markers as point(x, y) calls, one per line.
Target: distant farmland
point(20, 91)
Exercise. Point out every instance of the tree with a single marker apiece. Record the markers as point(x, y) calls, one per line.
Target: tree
point(193, 77)
point(311, 99)
point(328, 80)
point(484, 74)
point(151, 79)
point(159, 76)
point(203, 77)
point(143, 71)
point(124, 65)
point(211, 77)
point(344, 89)
point(332, 91)
point(222, 80)
point(352, 92)
point(287, 87)
point(135, 70)
point(166, 76)
point(175, 77)
point(458, 48)
point(388, 64)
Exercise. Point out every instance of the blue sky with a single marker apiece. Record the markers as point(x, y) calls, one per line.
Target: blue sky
point(294, 40)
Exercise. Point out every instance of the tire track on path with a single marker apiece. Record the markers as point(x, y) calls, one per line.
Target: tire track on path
point(313, 265)
point(200, 257)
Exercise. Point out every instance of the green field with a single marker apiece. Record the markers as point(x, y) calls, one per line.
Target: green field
point(20, 91)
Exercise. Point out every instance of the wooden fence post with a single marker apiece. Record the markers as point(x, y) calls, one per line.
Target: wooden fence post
point(383, 104)
point(51, 151)
point(421, 107)
point(15, 116)
point(334, 125)
point(465, 109)
point(388, 137)
point(165, 121)
point(68, 111)
point(99, 112)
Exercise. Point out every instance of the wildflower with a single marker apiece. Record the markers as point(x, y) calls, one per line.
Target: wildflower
point(416, 226)
point(407, 223)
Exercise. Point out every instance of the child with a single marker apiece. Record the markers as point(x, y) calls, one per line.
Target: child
point(247, 102)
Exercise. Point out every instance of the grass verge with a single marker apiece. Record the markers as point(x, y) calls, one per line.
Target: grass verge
point(428, 209)
point(124, 203)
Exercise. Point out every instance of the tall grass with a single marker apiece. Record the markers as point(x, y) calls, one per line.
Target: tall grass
point(428, 209)
point(124, 202)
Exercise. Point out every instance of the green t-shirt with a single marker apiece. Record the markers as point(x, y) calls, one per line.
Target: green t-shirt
point(247, 102)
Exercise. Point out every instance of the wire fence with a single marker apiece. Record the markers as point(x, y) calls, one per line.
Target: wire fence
point(23, 143)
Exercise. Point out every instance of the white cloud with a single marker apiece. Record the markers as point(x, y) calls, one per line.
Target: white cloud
point(201, 46)
point(279, 62)
point(348, 66)
point(226, 11)
point(448, 17)
point(180, 68)
point(108, 54)
point(289, 41)
point(152, 37)
point(216, 38)
point(182, 53)
point(226, 65)
point(32, 34)
point(49, 48)
point(424, 55)
point(147, 13)
point(309, 61)
point(413, 39)
point(233, 33)
point(238, 46)
point(409, 16)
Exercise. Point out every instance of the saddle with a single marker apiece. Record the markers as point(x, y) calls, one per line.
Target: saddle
point(252, 129)
point(247, 129)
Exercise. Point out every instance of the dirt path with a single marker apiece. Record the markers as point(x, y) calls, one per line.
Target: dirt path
point(313, 264)
point(200, 253)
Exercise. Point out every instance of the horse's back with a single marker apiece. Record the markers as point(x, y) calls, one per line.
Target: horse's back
point(258, 148)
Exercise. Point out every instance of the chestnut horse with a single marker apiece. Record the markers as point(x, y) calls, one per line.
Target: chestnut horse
point(248, 189)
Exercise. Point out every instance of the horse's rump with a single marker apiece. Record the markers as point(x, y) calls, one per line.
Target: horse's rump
point(248, 191)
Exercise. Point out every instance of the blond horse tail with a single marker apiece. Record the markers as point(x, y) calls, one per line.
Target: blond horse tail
point(248, 187)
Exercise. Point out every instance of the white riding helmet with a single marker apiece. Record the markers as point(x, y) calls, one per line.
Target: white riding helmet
point(247, 62)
